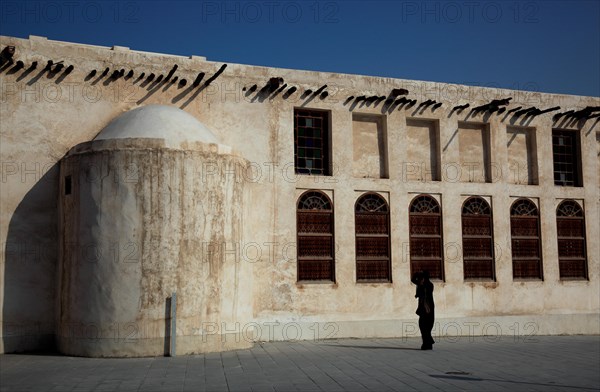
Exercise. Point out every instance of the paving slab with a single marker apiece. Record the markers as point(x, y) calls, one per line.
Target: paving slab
point(548, 363)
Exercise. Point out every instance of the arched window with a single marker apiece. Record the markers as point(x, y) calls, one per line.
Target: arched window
point(372, 229)
point(315, 246)
point(478, 239)
point(570, 227)
point(425, 221)
point(525, 240)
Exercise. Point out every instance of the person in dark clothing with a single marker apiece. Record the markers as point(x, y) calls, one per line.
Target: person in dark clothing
point(426, 307)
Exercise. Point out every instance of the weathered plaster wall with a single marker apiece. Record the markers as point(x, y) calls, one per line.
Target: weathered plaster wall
point(474, 152)
point(370, 149)
point(598, 153)
point(522, 156)
point(423, 137)
point(128, 243)
point(42, 118)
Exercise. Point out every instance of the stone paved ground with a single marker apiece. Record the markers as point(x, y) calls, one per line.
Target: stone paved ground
point(558, 363)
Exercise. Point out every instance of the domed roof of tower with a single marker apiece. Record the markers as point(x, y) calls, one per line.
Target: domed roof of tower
point(172, 124)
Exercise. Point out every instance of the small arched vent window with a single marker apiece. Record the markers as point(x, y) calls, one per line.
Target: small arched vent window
point(315, 245)
point(425, 222)
point(478, 239)
point(372, 229)
point(525, 240)
point(570, 225)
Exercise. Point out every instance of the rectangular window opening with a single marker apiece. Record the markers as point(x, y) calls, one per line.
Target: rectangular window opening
point(312, 154)
point(567, 158)
point(67, 185)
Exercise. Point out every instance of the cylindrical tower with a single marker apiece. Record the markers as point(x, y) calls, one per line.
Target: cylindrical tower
point(151, 207)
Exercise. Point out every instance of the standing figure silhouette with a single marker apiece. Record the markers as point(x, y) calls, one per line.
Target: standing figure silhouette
point(426, 307)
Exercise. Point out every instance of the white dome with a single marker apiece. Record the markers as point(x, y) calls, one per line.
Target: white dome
point(172, 124)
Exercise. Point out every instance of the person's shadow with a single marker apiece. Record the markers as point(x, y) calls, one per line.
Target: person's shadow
point(375, 347)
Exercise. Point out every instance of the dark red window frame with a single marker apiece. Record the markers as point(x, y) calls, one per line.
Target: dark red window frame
point(372, 238)
point(478, 239)
point(315, 239)
point(526, 244)
point(426, 236)
point(570, 231)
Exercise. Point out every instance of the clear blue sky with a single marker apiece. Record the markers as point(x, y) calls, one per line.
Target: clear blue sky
point(549, 46)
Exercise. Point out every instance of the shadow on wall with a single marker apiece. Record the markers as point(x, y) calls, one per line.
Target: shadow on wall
point(30, 269)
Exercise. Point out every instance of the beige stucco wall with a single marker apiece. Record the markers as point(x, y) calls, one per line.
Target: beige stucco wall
point(370, 150)
point(128, 244)
point(40, 122)
point(423, 137)
point(522, 155)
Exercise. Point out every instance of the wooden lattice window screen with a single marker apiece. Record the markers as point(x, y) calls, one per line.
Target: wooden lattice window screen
point(478, 239)
point(525, 240)
point(372, 229)
point(425, 225)
point(570, 224)
point(315, 243)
